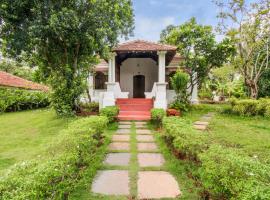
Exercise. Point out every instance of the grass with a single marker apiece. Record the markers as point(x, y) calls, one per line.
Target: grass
point(26, 134)
point(251, 134)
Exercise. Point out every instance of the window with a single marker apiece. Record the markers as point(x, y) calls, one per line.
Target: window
point(100, 80)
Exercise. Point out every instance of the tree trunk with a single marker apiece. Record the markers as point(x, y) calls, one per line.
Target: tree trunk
point(253, 88)
point(88, 95)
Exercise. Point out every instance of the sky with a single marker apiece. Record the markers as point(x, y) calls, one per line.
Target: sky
point(152, 16)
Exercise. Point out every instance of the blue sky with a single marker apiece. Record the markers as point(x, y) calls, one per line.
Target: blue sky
point(152, 16)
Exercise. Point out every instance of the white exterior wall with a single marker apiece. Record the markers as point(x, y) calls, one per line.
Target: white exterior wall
point(138, 66)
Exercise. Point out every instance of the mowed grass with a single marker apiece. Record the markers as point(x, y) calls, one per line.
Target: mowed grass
point(250, 134)
point(25, 135)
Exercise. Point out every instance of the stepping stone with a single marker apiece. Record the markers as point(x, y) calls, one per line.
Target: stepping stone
point(145, 138)
point(111, 182)
point(201, 123)
point(140, 126)
point(205, 118)
point(122, 138)
point(124, 126)
point(116, 146)
point(125, 123)
point(157, 185)
point(143, 131)
point(123, 131)
point(200, 127)
point(117, 159)
point(150, 159)
point(140, 123)
point(147, 146)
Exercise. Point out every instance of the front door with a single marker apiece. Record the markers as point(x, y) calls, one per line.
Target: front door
point(138, 86)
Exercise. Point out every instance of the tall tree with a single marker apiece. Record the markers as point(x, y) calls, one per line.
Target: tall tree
point(63, 37)
point(197, 44)
point(248, 25)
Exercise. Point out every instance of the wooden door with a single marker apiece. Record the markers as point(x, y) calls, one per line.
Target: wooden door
point(138, 86)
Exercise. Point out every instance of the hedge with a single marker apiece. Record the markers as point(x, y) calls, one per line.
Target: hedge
point(184, 137)
point(157, 115)
point(224, 173)
point(56, 176)
point(110, 112)
point(250, 107)
point(19, 99)
point(229, 174)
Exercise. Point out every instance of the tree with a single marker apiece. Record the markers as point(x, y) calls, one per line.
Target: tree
point(250, 29)
point(63, 38)
point(164, 33)
point(264, 84)
point(197, 44)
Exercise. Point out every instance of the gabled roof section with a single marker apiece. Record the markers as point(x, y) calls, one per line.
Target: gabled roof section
point(9, 80)
point(102, 66)
point(142, 45)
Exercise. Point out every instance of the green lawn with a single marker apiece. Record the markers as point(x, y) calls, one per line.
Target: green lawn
point(251, 134)
point(24, 135)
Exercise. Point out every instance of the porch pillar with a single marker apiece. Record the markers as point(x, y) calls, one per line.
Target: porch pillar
point(161, 66)
point(108, 98)
point(161, 94)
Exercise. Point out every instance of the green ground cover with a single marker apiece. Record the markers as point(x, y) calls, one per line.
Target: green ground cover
point(26, 134)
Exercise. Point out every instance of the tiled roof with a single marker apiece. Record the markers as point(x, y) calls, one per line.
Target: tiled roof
point(176, 61)
point(141, 45)
point(102, 66)
point(9, 80)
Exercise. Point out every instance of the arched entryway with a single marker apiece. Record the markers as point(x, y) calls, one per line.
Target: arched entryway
point(138, 86)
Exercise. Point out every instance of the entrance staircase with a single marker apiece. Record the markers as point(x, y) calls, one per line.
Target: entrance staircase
point(134, 109)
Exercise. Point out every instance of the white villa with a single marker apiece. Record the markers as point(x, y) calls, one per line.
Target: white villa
point(136, 70)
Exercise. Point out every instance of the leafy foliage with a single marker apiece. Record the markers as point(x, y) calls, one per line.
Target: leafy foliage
point(250, 107)
point(264, 84)
point(63, 39)
point(179, 83)
point(110, 112)
point(90, 107)
point(19, 99)
point(56, 177)
point(196, 43)
point(228, 174)
point(157, 114)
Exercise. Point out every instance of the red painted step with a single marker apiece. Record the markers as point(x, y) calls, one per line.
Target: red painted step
point(134, 109)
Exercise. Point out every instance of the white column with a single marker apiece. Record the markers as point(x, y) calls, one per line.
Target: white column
point(111, 74)
point(161, 95)
point(161, 66)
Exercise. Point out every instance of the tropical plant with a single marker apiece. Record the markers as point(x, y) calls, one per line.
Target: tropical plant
point(110, 112)
point(197, 44)
point(63, 39)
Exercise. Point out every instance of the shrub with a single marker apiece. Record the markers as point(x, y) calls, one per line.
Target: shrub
point(249, 107)
point(110, 112)
point(19, 99)
point(157, 115)
point(229, 174)
point(267, 111)
point(55, 177)
point(184, 137)
point(90, 107)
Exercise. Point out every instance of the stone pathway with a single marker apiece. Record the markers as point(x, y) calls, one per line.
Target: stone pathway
point(132, 152)
point(203, 123)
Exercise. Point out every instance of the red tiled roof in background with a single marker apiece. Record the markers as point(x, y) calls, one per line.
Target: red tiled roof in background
point(103, 66)
point(141, 45)
point(9, 80)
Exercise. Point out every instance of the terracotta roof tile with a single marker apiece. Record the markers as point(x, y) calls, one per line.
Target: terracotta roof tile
point(9, 80)
point(141, 45)
point(102, 66)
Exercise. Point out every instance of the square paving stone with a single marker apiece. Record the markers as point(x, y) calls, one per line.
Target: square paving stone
point(140, 123)
point(201, 123)
point(115, 146)
point(124, 126)
point(157, 185)
point(147, 146)
point(200, 127)
point(122, 138)
point(140, 126)
point(205, 118)
point(143, 131)
point(150, 159)
point(123, 131)
point(145, 138)
point(111, 182)
point(117, 159)
point(125, 123)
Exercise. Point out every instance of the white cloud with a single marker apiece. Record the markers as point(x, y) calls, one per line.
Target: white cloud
point(150, 28)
